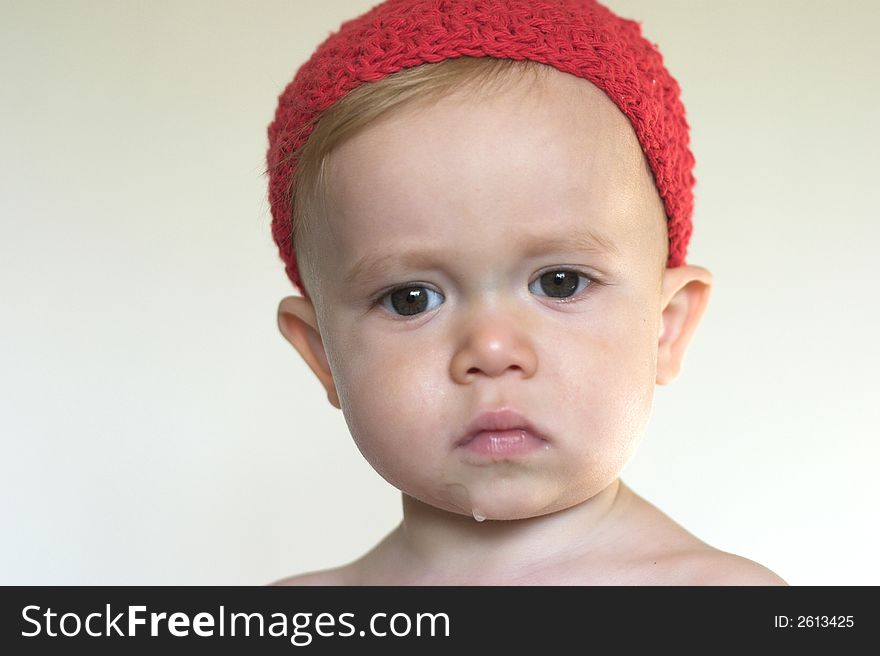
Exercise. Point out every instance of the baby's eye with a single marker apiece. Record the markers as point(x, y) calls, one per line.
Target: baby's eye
point(408, 301)
point(414, 299)
point(562, 283)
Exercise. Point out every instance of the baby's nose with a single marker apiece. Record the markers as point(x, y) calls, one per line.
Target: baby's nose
point(493, 346)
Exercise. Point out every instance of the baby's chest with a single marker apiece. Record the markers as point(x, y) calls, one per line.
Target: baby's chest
point(592, 573)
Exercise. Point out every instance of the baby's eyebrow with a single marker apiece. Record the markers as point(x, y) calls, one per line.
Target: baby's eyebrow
point(371, 266)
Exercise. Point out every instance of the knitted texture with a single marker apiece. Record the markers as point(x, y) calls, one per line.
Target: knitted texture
point(580, 37)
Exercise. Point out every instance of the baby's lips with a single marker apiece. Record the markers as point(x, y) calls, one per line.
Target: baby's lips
point(500, 420)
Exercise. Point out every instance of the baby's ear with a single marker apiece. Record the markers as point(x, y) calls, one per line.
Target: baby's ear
point(298, 323)
point(683, 299)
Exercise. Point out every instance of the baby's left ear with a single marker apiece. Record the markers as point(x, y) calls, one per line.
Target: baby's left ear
point(683, 299)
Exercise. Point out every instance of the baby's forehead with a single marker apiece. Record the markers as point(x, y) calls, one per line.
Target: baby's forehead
point(562, 133)
point(557, 113)
point(379, 248)
point(534, 151)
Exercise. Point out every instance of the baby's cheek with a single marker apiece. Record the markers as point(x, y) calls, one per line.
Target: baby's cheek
point(394, 408)
point(628, 401)
point(607, 398)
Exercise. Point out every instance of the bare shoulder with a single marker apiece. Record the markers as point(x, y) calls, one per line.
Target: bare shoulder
point(674, 556)
point(334, 576)
point(716, 567)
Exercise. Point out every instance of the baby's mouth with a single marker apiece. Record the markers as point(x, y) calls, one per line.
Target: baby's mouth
point(503, 433)
point(503, 443)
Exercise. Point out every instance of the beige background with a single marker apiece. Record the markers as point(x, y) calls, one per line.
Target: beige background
point(157, 429)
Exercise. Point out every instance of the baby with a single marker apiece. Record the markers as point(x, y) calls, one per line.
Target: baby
point(488, 225)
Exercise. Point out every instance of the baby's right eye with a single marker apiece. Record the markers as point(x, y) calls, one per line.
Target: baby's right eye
point(408, 301)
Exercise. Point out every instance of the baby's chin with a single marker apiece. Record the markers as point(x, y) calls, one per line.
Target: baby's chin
point(497, 499)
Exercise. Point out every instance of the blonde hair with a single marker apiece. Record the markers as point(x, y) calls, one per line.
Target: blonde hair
point(413, 87)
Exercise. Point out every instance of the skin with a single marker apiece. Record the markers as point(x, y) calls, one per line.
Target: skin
point(541, 161)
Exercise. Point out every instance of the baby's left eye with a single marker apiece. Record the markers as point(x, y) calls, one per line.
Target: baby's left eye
point(562, 283)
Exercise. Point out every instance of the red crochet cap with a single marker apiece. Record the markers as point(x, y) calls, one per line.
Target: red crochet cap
point(580, 37)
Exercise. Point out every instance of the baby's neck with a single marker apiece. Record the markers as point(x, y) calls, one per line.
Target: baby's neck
point(436, 547)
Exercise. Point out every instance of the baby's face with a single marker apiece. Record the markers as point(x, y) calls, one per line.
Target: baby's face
point(526, 240)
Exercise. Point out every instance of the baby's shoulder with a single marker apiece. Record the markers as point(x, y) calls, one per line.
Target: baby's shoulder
point(710, 566)
point(334, 576)
point(690, 563)
point(668, 554)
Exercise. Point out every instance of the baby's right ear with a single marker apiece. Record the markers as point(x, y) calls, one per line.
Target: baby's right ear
point(298, 323)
